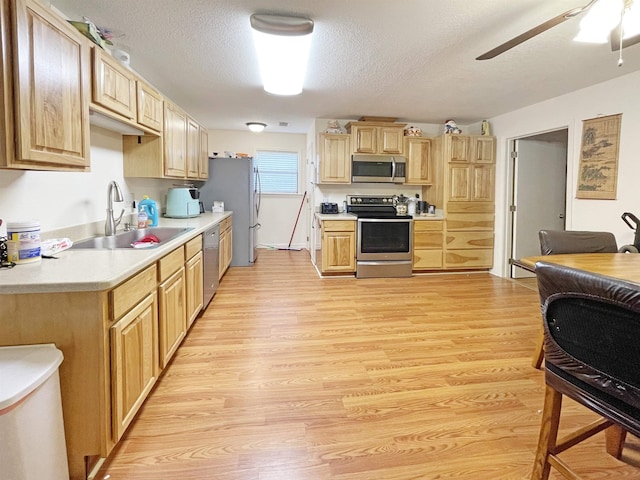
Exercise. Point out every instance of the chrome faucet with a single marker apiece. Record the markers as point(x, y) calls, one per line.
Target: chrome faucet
point(114, 194)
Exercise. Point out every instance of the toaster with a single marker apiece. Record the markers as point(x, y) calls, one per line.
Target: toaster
point(183, 202)
point(328, 208)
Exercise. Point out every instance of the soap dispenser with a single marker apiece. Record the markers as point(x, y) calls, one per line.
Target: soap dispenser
point(142, 217)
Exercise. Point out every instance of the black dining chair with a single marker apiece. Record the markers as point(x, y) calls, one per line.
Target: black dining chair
point(554, 242)
point(591, 350)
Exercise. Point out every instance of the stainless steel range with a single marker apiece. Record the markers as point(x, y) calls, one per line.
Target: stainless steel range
point(384, 239)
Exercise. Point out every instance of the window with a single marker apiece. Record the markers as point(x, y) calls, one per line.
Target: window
point(278, 171)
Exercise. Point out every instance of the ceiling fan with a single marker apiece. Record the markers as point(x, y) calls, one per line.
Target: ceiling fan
point(614, 20)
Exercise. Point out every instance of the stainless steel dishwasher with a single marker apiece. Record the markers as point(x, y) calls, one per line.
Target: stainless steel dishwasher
point(211, 261)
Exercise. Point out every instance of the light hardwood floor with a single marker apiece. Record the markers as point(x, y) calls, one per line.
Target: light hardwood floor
point(287, 376)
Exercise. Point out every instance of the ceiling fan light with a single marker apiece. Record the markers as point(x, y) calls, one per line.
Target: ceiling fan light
point(256, 127)
point(631, 21)
point(601, 18)
point(282, 44)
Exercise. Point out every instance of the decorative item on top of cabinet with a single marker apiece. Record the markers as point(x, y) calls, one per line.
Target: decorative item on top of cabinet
point(334, 127)
point(335, 159)
point(338, 246)
point(419, 161)
point(49, 65)
point(377, 137)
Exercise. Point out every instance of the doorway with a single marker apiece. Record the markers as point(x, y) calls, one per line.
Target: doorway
point(538, 192)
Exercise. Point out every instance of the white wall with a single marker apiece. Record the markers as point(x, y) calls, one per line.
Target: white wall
point(615, 96)
point(277, 212)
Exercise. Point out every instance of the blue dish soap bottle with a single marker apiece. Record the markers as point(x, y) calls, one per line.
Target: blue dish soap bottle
point(151, 210)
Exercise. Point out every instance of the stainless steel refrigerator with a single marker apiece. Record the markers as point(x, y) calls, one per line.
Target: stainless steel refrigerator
point(236, 182)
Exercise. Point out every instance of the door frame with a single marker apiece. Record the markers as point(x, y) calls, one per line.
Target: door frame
point(511, 188)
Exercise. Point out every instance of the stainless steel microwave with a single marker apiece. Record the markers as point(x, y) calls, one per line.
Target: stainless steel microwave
point(378, 169)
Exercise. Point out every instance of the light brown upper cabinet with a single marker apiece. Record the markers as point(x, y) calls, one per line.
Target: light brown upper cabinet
point(419, 161)
point(377, 137)
point(203, 171)
point(471, 166)
point(175, 141)
point(45, 90)
point(335, 159)
point(193, 149)
point(150, 106)
point(114, 87)
point(180, 153)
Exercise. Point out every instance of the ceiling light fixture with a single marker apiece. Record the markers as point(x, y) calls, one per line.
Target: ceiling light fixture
point(601, 18)
point(282, 44)
point(604, 16)
point(256, 127)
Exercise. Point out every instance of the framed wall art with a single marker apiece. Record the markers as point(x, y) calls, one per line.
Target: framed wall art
point(598, 170)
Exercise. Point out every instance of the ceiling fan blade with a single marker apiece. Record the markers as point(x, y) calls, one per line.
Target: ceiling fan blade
point(543, 27)
point(627, 42)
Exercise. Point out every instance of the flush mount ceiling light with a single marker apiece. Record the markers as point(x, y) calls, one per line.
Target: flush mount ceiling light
point(256, 126)
point(282, 44)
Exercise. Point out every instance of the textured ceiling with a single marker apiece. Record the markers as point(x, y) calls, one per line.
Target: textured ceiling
point(410, 59)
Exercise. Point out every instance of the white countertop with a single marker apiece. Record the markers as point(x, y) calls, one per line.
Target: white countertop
point(86, 270)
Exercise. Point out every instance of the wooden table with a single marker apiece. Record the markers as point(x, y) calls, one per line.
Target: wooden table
point(624, 266)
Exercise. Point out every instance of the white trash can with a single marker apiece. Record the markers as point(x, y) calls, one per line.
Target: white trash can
point(31, 427)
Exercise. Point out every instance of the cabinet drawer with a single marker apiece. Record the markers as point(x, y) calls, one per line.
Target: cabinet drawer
point(129, 293)
point(427, 259)
point(427, 225)
point(470, 240)
point(225, 224)
point(170, 264)
point(192, 247)
point(427, 240)
point(480, 258)
point(338, 226)
point(470, 221)
point(470, 207)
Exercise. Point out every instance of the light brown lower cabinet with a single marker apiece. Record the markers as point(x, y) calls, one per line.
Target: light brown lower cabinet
point(225, 245)
point(115, 343)
point(194, 279)
point(338, 246)
point(134, 362)
point(427, 244)
point(469, 235)
point(172, 315)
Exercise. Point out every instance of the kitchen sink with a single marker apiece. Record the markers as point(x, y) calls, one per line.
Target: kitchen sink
point(126, 239)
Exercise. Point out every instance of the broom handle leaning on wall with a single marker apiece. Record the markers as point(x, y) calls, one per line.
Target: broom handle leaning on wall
point(297, 218)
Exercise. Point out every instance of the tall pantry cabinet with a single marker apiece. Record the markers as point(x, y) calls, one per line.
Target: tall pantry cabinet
point(466, 165)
